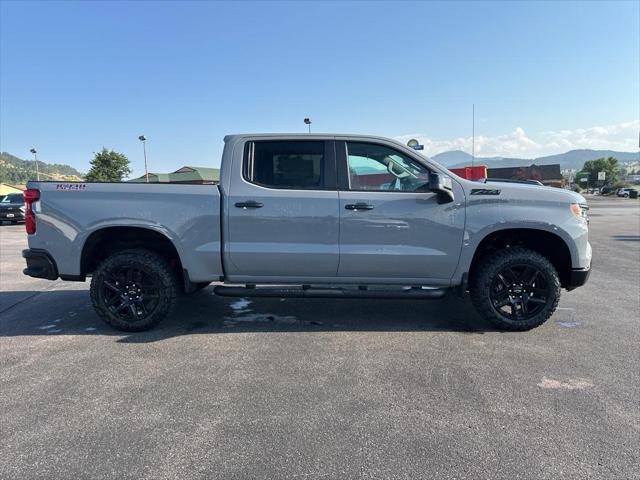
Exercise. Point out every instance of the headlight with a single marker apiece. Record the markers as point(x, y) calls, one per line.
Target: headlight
point(580, 210)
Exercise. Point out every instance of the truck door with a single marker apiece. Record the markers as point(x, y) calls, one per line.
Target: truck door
point(391, 225)
point(283, 212)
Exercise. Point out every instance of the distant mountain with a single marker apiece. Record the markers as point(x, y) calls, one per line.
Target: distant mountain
point(16, 171)
point(454, 157)
point(573, 159)
point(458, 157)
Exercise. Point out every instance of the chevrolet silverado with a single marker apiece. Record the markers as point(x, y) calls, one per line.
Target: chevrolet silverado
point(312, 216)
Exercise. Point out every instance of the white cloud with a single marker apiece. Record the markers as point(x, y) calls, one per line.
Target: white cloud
point(622, 137)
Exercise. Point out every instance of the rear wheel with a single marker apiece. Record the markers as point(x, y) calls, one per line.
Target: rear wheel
point(515, 289)
point(134, 290)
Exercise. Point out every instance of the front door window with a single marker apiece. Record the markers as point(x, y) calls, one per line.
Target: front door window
point(380, 168)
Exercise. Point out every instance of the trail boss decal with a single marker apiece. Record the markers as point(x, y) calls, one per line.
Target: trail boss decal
point(71, 186)
point(485, 191)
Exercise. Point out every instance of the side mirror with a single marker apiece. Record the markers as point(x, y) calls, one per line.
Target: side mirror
point(442, 185)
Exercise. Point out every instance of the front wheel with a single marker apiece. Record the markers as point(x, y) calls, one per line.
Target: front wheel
point(515, 289)
point(134, 290)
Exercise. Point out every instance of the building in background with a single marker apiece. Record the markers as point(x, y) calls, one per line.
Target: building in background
point(153, 178)
point(477, 172)
point(549, 175)
point(186, 174)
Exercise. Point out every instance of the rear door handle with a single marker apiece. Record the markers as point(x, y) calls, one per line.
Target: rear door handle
point(358, 206)
point(249, 204)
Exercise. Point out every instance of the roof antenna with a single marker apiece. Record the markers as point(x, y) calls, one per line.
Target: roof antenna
point(307, 121)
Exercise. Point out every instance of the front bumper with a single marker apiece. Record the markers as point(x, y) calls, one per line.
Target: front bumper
point(14, 215)
point(579, 277)
point(40, 264)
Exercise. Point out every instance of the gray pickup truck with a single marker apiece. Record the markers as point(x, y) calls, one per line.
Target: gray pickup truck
point(318, 216)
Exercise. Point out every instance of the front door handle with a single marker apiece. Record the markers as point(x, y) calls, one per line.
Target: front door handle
point(249, 204)
point(358, 206)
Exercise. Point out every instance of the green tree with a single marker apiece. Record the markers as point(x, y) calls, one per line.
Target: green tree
point(608, 165)
point(108, 166)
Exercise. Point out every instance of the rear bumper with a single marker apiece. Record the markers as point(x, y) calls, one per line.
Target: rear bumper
point(40, 264)
point(579, 277)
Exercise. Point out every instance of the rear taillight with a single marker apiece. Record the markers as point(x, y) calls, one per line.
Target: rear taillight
point(30, 195)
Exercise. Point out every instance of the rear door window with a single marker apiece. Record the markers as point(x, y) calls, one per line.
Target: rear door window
point(291, 164)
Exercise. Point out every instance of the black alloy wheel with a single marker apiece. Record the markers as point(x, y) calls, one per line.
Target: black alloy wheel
point(515, 288)
point(131, 293)
point(519, 292)
point(134, 290)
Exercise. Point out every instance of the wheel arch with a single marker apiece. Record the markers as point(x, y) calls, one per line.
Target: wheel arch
point(549, 244)
point(105, 241)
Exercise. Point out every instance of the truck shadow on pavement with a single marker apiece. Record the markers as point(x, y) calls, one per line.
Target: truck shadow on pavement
point(69, 312)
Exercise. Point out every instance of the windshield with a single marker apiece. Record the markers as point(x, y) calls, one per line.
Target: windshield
point(13, 198)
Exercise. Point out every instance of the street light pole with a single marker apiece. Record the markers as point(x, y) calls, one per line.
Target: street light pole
point(473, 134)
point(143, 139)
point(35, 157)
point(307, 121)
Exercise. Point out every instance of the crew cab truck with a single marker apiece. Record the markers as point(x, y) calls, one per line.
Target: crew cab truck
point(318, 216)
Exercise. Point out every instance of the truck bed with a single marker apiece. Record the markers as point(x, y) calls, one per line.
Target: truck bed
point(69, 213)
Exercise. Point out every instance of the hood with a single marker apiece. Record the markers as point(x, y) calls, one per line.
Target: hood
point(524, 191)
point(11, 205)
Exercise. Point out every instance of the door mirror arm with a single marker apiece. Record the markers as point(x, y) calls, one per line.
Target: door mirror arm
point(442, 185)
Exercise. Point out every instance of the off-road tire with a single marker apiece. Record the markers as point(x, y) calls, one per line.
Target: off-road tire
point(487, 271)
point(153, 265)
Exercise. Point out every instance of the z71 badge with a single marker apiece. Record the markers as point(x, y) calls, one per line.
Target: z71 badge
point(485, 191)
point(71, 186)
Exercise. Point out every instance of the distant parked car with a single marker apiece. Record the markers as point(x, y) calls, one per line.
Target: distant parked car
point(12, 208)
point(624, 192)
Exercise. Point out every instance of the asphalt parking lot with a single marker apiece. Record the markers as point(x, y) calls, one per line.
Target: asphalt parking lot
point(332, 389)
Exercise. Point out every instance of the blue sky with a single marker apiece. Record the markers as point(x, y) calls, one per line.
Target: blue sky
point(545, 77)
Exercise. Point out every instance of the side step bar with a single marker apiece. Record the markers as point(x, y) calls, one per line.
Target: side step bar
point(304, 292)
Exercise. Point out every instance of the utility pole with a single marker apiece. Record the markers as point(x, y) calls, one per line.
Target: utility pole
point(143, 139)
point(473, 134)
point(35, 157)
point(307, 121)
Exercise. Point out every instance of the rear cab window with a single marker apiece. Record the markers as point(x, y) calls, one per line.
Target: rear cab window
point(287, 164)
